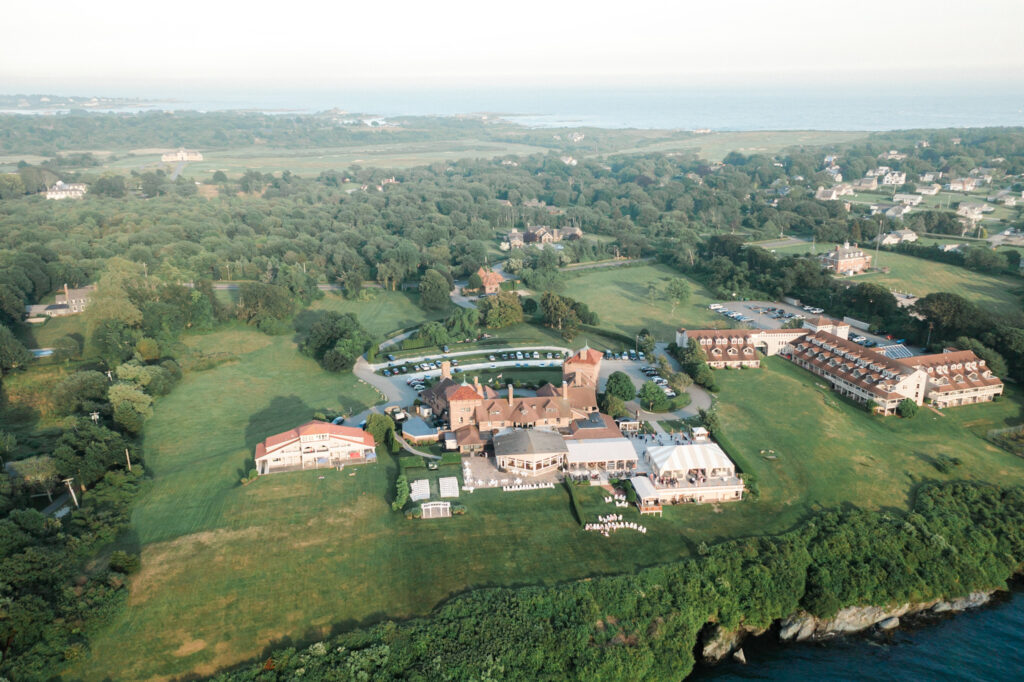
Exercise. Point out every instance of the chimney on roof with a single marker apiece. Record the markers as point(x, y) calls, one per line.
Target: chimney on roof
point(446, 370)
point(510, 395)
point(476, 385)
point(565, 389)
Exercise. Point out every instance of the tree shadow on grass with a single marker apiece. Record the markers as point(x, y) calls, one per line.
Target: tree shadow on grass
point(283, 413)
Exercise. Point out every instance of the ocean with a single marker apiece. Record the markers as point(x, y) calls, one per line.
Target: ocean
point(982, 645)
point(833, 107)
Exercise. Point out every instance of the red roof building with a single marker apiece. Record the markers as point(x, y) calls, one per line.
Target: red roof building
point(492, 280)
point(314, 445)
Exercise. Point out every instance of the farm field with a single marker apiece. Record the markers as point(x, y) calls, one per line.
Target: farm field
point(715, 146)
point(918, 276)
point(313, 160)
point(219, 580)
point(619, 296)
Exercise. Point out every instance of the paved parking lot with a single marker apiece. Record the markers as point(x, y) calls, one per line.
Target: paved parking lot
point(762, 319)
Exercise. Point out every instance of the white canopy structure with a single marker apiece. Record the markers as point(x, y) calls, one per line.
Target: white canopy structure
point(604, 453)
point(678, 460)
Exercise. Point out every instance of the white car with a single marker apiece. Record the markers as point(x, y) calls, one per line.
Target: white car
point(519, 355)
point(715, 306)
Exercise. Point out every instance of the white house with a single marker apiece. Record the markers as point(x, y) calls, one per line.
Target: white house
point(314, 445)
point(66, 190)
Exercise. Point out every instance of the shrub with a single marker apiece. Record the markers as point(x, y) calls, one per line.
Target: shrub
point(907, 408)
point(125, 563)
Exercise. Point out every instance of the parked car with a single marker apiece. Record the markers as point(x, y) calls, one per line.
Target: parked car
point(715, 306)
point(444, 349)
point(859, 339)
point(536, 355)
point(391, 357)
point(640, 355)
point(519, 355)
point(403, 369)
point(548, 356)
point(455, 363)
point(491, 358)
point(387, 373)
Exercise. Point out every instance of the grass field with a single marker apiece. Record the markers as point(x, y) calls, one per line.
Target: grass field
point(619, 296)
point(380, 311)
point(715, 146)
point(313, 160)
point(918, 276)
point(228, 570)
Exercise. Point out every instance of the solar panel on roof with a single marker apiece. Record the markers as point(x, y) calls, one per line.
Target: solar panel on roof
point(896, 351)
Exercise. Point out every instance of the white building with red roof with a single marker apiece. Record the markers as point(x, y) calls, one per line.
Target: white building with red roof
point(956, 377)
point(314, 445)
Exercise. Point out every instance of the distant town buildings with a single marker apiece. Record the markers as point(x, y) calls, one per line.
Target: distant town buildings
point(65, 190)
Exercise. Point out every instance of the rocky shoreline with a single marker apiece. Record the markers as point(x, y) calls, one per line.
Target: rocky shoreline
point(716, 643)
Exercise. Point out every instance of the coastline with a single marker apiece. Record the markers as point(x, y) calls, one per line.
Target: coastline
point(716, 646)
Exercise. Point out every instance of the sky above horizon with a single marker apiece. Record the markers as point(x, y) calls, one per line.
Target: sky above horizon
point(116, 47)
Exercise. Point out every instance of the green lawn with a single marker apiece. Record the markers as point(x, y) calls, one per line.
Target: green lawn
point(43, 335)
point(227, 570)
point(379, 311)
point(831, 452)
point(918, 276)
point(619, 296)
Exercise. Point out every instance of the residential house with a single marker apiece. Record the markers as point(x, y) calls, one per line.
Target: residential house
point(181, 154)
point(930, 176)
point(868, 183)
point(514, 239)
point(894, 178)
point(892, 155)
point(908, 199)
point(929, 190)
point(826, 194)
point(972, 211)
point(67, 190)
point(68, 302)
point(897, 237)
point(962, 185)
point(897, 212)
point(491, 280)
point(314, 445)
point(846, 260)
point(956, 377)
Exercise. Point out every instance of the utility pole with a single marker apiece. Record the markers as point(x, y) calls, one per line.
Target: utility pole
point(128, 459)
point(67, 482)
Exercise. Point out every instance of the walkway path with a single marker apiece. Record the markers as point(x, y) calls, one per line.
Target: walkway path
point(408, 448)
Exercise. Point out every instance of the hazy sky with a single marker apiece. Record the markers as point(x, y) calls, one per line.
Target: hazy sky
point(117, 46)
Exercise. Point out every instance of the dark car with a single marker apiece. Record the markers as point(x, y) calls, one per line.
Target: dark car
point(391, 357)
